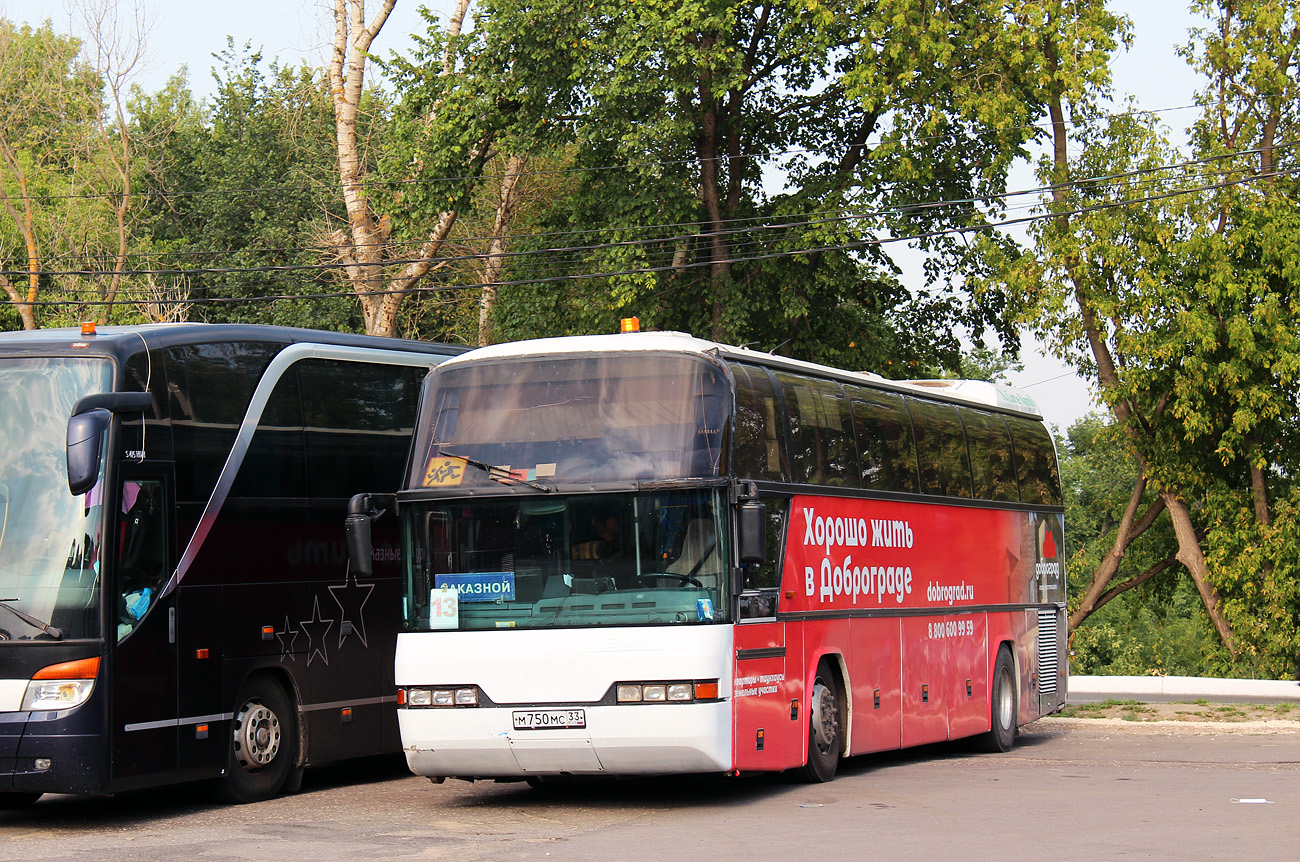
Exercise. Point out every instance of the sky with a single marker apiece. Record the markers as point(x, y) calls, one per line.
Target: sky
point(188, 33)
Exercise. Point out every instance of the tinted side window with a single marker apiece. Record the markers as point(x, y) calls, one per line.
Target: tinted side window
point(991, 468)
point(758, 451)
point(821, 433)
point(765, 577)
point(940, 449)
point(1035, 462)
point(273, 465)
point(886, 452)
point(358, 420)
point(148, 432)
point(210, 386)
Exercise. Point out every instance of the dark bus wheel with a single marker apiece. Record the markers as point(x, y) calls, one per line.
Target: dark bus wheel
point(1002, 735)
point(263, 744)
point(825, 728)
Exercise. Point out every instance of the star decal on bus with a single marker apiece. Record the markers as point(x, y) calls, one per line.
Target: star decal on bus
point(351, 598)
point(287, 636)
point(316, 629)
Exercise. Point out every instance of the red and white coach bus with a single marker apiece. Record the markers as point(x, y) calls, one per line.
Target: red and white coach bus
point(647, 553)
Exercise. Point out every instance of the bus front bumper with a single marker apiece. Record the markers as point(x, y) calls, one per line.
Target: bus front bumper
point(627, 739)
point(50, 752)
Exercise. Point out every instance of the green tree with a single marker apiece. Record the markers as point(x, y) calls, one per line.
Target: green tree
point(49, 110)
point(678, 117)
point(1173, 286)
point(240, 196)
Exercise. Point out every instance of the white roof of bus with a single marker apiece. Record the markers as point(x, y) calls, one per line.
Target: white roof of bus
point(969, 391)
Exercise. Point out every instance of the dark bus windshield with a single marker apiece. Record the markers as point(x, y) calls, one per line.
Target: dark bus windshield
point(631, 416)
point(49, 539)
point(553, 560)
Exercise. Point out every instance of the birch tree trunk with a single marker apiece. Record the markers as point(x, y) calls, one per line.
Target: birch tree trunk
point(363, 246)
point(495, 262)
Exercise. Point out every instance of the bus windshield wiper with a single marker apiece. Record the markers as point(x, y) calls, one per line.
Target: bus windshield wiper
point(31, 620)
point(495, 473)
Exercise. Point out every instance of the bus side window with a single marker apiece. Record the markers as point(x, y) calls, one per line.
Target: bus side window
point(758, 450)
point(886, 450)
point(763, 580)
point(357, 422)
point(940, 449)
point(141, 557)
point(210, 387)
point(1035, 462)
point(821, 432)
point(990, 456)
point(274, 465)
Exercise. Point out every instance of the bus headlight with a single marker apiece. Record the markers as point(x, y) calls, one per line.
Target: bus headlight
point(666, 692)
point(61, 686)
point(425, 697)
point(56, 694)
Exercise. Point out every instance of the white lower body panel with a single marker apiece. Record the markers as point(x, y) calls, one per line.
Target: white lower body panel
point(630, 739)
point(562, 669)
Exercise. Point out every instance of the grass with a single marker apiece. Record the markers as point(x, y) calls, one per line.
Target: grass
point(1193, 711)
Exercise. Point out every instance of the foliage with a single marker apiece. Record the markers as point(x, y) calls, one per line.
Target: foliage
point(1157, 627)
point(49, 108)
point(242, 186)
point(1172, 281)
point(1257, 568)
point(680, 121)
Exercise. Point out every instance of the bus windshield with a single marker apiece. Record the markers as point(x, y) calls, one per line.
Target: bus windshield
point(606, 418)
point(49, 539)
point(589, 560)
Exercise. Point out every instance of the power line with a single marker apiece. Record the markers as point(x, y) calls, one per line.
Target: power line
point(854, 246)
point(667, 163)
point(749, 224)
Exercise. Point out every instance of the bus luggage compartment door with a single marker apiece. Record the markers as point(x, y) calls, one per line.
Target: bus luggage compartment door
point(767, 736)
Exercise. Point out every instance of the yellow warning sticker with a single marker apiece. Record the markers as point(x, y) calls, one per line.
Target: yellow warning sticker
point(443, 472)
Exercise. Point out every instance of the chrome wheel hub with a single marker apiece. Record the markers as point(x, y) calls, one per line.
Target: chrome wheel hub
point(257, 736)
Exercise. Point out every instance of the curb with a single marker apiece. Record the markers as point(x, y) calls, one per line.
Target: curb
point(1094, 689)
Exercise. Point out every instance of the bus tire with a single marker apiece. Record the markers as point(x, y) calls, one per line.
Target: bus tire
point(10, 801)
point(263, 743)
point(825, 727)
point(1003, 706)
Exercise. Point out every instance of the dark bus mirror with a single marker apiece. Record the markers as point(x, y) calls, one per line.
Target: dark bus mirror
point(356, 527)
point(752, 517)
point(85, 435)
point(362, 512)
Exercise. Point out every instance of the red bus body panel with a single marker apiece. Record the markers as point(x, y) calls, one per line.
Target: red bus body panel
point(911, 602)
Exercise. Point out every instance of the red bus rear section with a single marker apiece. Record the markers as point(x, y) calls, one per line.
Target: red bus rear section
point(908, 606)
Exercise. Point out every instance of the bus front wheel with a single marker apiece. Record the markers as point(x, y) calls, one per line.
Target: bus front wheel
point(825, 728)
point(1002, 735)
point(263, 744)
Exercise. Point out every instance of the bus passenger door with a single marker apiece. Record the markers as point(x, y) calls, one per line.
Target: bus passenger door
point(766, 673)
point(143, 627)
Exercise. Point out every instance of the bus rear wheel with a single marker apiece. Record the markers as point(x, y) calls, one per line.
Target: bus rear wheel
point(1002, 735)
point(263, 744)
point(825, 728)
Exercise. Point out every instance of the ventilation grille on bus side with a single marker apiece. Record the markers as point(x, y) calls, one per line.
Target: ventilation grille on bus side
point(1048, 652)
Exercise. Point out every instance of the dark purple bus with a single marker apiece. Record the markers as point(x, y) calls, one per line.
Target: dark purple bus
point(175, 598)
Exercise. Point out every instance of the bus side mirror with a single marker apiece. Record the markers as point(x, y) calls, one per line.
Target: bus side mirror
point(90, 418)
point(751, 520)
point(85, 435)
point(356, 531)
point(360, 550)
